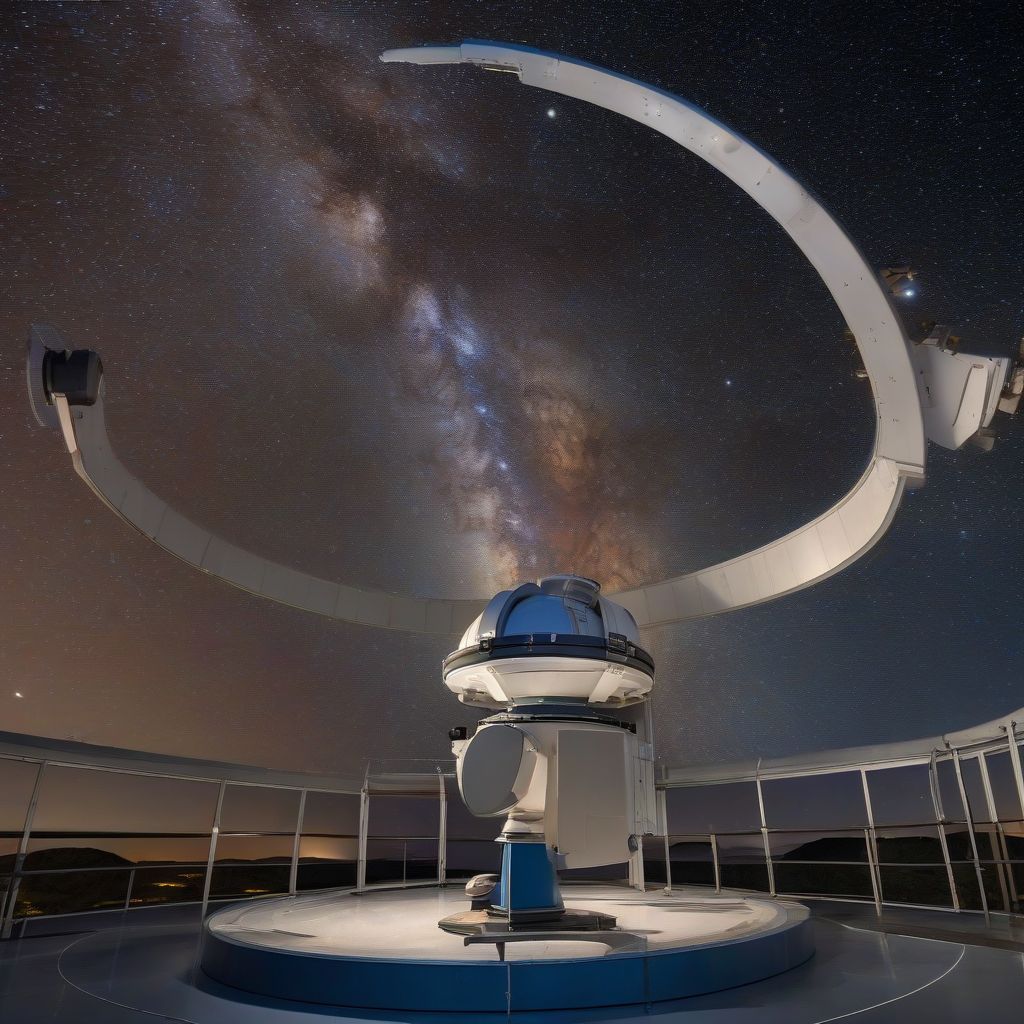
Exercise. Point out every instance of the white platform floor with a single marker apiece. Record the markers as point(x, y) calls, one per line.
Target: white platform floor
point(403, 924)
point(140, 967)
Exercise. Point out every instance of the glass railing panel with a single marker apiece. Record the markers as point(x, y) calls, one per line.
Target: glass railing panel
point(836, 845)
point(243, 880)
point(745, 876)
point(987, 838)
point(468, 857)
point(990, 877)
point(690, 848)
point(1013, 868)
point(901, 795)
point(924, 885)
point(654, 860)
point(385, 861)
point(327, 862)
point(411, 859)
point(692, 873)
point(313, 848)
point(971, 772)
point(253, 848)
point(958, 841)
point(334, 814)
point(17, 779)
point(64, 852)
point(691, 861)
point(966, 879)
point(71, 892)
point(325, 874)
point(8, 855)
point(259, 809)
point(421, 860)
point(851, 880)
point(742, 862)
point(1017, 870)
point(949, 790)
point(398, 816)
point(158, 885)
point(909, 844)
point(833, 800)
point(730, 807)
point(78, 800)
point(746, 848)
point(1004, 786)
point(1013, 834)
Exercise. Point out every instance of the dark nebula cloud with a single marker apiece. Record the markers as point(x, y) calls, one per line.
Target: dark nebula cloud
point(403, 327)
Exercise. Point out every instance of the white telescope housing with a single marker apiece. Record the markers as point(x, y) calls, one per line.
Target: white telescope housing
point(554, 655)
point(557, 638)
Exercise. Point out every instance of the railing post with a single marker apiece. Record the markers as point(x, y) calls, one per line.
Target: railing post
point(1018, 775)
point(871, 845)
point(128, 894)
point(764, 831)
point(211, 856)
point(970, 833)
point(442, 831)
point(933, 783)
point(19, 857)
point(997, 838)
point(874, 871)
point(663, 822)
point(1018, 778)
point(940, 825)
point(364, 823)
point(635, 867)
point(293, 873)
point(715, 864)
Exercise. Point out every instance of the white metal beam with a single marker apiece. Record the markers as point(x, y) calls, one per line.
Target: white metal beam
point(854, 524)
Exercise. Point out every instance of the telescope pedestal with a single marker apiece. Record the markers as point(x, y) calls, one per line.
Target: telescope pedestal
point(528, 890)
point(528, 897)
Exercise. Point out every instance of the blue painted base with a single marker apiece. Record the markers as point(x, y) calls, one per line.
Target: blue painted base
point(529, 884)
point(410, 982)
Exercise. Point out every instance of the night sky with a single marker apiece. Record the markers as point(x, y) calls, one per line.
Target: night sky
point(433, 332)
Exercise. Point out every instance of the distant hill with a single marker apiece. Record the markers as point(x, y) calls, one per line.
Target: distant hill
point(60, 857)
point(829, 848)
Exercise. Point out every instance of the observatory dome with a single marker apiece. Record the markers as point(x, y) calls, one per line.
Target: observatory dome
point(556, 640)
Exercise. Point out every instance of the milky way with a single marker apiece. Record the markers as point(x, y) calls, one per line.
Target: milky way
point(436, 333)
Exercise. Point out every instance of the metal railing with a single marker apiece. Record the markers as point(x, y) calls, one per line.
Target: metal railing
point(965, 856)
point(998, 878)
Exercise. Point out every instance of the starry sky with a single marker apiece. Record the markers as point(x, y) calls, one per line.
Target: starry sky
point(432, 332)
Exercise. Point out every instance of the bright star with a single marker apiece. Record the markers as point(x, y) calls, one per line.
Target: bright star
point(728, 382)
point(552, 112)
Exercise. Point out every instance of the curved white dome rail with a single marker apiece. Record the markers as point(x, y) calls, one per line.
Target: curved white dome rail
point(852, 526)
point(85, 434)
point(812, 553)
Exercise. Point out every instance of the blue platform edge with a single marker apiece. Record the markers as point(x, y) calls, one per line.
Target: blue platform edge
point(495, 986)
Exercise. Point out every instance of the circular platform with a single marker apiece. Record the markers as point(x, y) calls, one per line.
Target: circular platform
point(384, 950)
